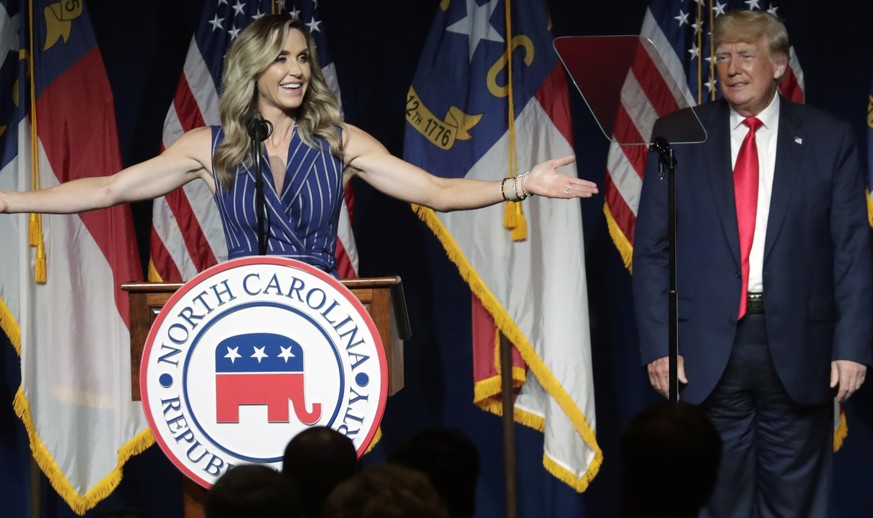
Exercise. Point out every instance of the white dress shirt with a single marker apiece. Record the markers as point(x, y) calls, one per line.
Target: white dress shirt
point(765, 138)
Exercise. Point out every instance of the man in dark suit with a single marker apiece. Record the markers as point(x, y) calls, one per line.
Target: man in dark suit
point(776, 297)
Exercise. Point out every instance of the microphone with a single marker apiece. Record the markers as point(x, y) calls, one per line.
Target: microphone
point(661, 146)
point(258, 128)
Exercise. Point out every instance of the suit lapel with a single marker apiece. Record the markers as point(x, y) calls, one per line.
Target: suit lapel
point(789, 159)
point(717, 153)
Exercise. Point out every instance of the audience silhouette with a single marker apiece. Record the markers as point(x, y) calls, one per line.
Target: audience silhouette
point(317, 460)
point(670, 455)
point(451, 462)
point(385, 491)
point(252, 490)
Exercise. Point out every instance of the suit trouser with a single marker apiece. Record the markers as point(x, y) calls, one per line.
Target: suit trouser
point(777, 455)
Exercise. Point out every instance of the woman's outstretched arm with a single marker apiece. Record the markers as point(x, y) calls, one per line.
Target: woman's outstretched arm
point(186, 160)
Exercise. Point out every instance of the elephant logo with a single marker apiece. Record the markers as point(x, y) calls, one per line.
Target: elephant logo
point(261, 369)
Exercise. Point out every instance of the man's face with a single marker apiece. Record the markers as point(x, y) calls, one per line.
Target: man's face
point(747, 73)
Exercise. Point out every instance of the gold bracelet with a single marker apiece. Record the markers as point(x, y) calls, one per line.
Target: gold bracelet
point(509, 193)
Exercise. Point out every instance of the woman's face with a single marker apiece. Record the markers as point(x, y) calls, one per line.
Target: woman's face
point(283, 84)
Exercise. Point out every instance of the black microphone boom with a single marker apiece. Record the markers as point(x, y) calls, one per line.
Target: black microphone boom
point(258, 128)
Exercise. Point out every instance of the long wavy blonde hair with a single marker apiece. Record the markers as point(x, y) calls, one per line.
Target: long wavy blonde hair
point(255, 49)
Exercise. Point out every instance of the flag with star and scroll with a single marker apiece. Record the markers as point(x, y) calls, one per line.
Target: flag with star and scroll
point(61, 305)
point(187, 236)
point(490, 99)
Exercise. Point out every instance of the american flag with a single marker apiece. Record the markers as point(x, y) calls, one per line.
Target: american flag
point(187, 236)
point(681, 31)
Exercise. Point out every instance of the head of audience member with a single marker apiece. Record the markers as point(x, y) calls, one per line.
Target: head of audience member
point(317, 460)
point(252, 490)
point(385, 491)
point(451, 462)
point(670, 455)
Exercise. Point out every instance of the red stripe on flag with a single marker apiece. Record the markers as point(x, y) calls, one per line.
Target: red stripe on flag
point(653, 85)
point(344, 266)
point(195, 240)
point(78, 132)
point(186, 106)
point(162, 260)
point(790, 87)
point(626, 131)
point(552, 96)
point(622, 214)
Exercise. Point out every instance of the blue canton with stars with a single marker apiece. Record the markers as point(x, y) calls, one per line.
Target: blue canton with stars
point(258, 352)
point(223, 20)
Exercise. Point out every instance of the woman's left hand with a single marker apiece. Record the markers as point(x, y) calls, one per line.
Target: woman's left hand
point(545, 180)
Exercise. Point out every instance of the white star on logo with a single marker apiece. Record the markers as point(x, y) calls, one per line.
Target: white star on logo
point(476, 25)
point(234, 33)
point(294, 13)
point(682, 18)
point(259, 353)
point(286, 353)
point(693, 51)
point(772, 10)
point(232, 354)
point(239, 7)
point(753, 4)
point(257, 15)
point(718, 8)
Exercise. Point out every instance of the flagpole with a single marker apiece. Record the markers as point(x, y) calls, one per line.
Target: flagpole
point(507, 400)
point(35, 489)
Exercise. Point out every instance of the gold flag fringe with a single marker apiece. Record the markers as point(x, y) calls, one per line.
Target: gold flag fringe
point(80, 504)
point(507, 326)
point(625, 248)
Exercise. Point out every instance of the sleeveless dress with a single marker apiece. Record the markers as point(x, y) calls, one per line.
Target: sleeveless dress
point(301, 221)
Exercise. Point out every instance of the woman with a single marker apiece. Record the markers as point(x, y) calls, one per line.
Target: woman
point(310, 155)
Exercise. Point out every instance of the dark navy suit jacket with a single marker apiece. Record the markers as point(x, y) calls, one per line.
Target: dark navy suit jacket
point(818, 270)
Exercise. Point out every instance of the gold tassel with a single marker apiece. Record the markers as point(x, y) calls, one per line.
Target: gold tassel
point(510, 216)
point(34, 230)
point(39, 273)
point(519, 233)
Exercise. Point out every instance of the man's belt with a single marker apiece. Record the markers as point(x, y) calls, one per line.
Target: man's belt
point(755, 303)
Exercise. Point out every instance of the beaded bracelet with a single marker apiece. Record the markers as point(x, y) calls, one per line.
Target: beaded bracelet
point(524, 192)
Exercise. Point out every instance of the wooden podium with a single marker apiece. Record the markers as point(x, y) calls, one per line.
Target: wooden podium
point(381, 296)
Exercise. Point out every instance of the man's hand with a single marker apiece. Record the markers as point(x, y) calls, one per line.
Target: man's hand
point(848, 375)
point(659, 374)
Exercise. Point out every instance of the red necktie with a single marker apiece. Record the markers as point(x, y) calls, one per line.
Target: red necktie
point(746, 197)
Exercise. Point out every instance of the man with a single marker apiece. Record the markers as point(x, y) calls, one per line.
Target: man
point(776, 298)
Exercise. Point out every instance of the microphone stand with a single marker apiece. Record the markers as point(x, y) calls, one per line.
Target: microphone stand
point(667, 166)
point(258, 130)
